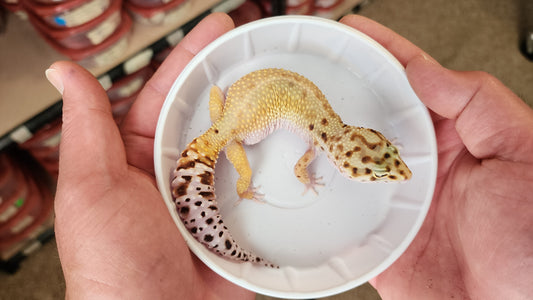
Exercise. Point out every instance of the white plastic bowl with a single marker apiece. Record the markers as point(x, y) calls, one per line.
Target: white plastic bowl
point(351, 231)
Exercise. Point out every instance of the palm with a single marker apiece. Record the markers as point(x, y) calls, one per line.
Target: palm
point(460, 245)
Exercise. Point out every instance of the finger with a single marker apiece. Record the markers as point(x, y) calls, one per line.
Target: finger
point(90, 140)
point(139, 126)
point(397, 45)
point(490, 119)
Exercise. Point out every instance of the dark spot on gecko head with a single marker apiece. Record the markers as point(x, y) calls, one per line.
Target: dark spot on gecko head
point(324, 122)
point(311, 127)
point(221, 233)
point(208, 238)
point(194, 230)
point(397, 163)
point(202, 214)
point(233, 252)
point(356, 149)
point(346, 164)
point(392, 177)
point(324, 136)
point(366, 159)
point(198, 203)
point(216, 131)
point(209, 221)
point(186, 178)
point(228, 244)
point(354, 171)
point(349, 153)
point(184, 153)
point(368, 171)
point(386, 155)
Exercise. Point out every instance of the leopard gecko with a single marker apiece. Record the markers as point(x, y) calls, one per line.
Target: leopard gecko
point(256, 105)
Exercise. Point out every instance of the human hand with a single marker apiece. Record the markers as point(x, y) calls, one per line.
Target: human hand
point(115, 236)
point(477, 239)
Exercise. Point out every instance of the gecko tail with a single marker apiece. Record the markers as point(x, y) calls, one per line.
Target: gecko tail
point(194, 196)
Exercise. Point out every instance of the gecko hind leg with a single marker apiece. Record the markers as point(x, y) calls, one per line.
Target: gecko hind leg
point(237, 156)
point(301, 171)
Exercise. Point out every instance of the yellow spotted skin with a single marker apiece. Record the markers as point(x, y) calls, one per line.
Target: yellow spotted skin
point(256, 105)
point(268, 99)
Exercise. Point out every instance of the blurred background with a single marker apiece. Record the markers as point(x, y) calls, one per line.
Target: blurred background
point(122, 42)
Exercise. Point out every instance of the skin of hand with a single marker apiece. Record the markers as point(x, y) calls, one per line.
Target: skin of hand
point(477, 239)
point(116, 239)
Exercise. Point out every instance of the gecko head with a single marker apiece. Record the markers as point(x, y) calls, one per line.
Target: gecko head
point(382, 163)
point(390, 167)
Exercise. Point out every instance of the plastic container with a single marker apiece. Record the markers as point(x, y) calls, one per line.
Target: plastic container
point(105, 53)
point(327, 9)
point(129, 85)
point(35, 209)
point(14, 204)
point(149, 3)
point(327, 4)
point(173, 10)
point(86, 35)
point(68, 14)
point(351, 231)
point(304, 8)
point(45, 141)
point(8, 179)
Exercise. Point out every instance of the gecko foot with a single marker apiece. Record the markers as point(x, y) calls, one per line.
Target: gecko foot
point(251, 194)
point(314, 182)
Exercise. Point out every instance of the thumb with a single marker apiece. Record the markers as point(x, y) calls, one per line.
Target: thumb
point(91, 145)
point(490, 119)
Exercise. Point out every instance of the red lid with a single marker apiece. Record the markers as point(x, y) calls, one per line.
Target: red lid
point(14, 186)
point(20, 193)
point(63, 32)
point(148, 12)
point(41, 139)
point(45, 201)
point(323, 8)
point(52, 9)
point(79, 54)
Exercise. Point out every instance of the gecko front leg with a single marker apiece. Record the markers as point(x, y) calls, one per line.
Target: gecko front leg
point(237, 156)
point(304, 175)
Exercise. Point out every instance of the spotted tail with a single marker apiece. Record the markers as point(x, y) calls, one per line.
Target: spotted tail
point(194, 195)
